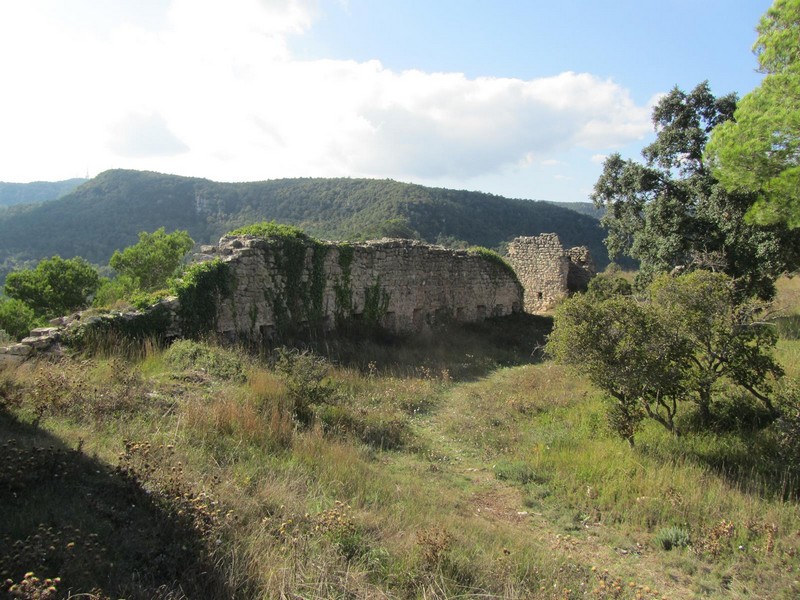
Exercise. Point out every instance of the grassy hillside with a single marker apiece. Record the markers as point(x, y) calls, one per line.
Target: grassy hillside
point(107, 212)
point(451, 467)
point(37, 191)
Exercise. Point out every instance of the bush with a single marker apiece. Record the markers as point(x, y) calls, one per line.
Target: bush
point(154, 259)
point(55, 287)
point(198, 356)
point(114, 290)
point(17, 318)
point(307, 383)
point(672, 537)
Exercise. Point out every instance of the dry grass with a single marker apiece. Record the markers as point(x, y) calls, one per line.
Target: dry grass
point(434, 480)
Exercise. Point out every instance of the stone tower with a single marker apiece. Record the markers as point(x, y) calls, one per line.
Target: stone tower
point(547, 271)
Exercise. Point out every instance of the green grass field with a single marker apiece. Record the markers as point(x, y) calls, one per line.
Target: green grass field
point(451, 468)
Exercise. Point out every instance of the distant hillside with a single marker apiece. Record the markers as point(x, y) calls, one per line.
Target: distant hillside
point(107, 212)
point(584, 208)
point(38, 191)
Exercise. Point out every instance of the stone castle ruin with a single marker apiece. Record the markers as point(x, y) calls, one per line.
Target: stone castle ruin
point(547, 271)
point(256, 289)
point(400, 285)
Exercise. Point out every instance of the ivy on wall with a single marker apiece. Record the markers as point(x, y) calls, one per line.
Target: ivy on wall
point(200, 291)
point(342, 288)
point(376, 303)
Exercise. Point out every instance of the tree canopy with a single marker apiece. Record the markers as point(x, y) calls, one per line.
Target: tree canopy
point(759, 150)
point(676, 344)
point(55, 287)
point(152, 261)
point(670, 211)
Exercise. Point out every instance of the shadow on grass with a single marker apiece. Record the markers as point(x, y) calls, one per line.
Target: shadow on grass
point(739, 446)
point(467, 351)
point(65, 514)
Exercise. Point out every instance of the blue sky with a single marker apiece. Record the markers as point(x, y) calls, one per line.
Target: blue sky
point(522, 99)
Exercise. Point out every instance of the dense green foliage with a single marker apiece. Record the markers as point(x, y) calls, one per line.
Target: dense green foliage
point(37, 191)
point(154, 259)
point(650, 356)
point(17, 318)
point(759, 150)
point(271, 229)
point(671, 211)
point(55, 287)
point(108, 212)
point(200, 290)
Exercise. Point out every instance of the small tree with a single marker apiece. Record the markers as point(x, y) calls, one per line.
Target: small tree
point(16, 318)
point(725, 338)
point(55, 287)
point(677, 344)
point(670, 211)
point(154, 259)
point(624, 349)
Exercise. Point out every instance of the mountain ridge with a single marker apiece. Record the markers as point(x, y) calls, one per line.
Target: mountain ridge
point(12, 194)
point(107, 212)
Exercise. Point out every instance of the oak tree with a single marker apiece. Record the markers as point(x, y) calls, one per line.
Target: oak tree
point(55, 287)
point(670, 211)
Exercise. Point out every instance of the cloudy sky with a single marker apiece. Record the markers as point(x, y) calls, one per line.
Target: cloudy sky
point(521, 98)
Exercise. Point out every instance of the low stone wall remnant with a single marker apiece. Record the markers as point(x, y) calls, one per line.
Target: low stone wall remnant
point(399, 285)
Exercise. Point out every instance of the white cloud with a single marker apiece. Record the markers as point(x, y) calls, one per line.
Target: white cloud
point(599, 158)
point(207, 88)
point(148, 135)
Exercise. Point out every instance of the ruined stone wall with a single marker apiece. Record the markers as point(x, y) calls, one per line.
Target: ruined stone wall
point(402, 285)
point(547, 271)
point(581, 269)
point(542, 268)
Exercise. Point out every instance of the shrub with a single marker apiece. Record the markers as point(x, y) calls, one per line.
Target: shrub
point(154, 259)
point(16, 318)
point(668, 538)
point(307, 382)
point(268, 229)
point(55, 287)
point(199, 356)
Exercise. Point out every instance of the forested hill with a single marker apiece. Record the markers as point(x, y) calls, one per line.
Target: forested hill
point(38, 191)
point(585, 208)
point(107, 212)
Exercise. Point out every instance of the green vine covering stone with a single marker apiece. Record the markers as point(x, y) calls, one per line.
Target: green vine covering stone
point(200, 290)
point(302, 298)
point(376, 303)
point(316, 292)
point(341, 288)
